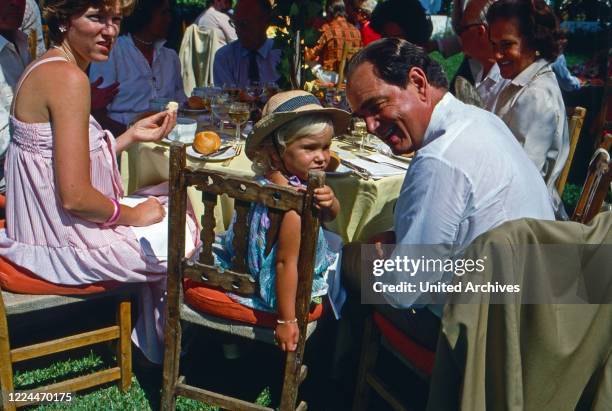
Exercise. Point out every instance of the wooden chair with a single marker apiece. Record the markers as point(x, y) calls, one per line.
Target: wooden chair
point(381, 332)
point(244, 191)
point(13, 304)
point(347, 53)
point(575, 122)
point(597, 183)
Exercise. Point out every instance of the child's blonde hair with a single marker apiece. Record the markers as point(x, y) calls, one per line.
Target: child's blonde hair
point(306, 125)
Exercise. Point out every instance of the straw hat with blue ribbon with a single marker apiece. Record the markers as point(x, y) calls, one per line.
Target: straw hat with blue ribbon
point(285, 107)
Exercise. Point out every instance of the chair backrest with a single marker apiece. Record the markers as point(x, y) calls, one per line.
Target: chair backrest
point(347, 53)
point(575, 121)
point(244, 191)
point(196, 55)
point(597, 183)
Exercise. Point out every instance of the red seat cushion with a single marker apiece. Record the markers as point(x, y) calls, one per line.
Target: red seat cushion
point(217, 303)
point(420, 357)
point(19, 280)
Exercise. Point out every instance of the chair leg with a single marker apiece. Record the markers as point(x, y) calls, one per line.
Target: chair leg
point(171, 362)
point(369, 353)
point(293, 365)
point(6, 366)
point(124, 345)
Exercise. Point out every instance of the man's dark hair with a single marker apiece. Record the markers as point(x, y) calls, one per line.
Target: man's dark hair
point(408, 14)
point(393, 58)
point(141, 16)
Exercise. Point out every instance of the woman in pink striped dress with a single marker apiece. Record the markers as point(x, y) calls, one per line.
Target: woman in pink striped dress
point(64, 219)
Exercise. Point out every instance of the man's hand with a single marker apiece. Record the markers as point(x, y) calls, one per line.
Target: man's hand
point(102, 96)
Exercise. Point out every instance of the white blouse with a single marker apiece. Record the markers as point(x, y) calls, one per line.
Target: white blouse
point(532, 107)
point(139, 82)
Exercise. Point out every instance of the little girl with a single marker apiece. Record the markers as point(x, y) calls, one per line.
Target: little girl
point(292, 138)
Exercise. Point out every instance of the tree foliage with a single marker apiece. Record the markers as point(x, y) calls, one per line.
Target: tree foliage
point(291, 16)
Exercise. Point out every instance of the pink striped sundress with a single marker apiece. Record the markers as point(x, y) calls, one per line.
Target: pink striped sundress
point(62, 248)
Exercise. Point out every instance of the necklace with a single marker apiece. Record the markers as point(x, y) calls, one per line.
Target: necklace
point(146, 43)
point(63, 51)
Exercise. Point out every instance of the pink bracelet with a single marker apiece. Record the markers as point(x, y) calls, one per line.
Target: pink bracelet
point(112, 220)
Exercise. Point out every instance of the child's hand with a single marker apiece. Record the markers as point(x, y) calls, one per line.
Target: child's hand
point(326, 201)
point(286, 336)
point(324, 197)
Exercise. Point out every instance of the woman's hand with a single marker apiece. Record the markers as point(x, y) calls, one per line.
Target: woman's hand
point(286, 336)
point(148, 212)
point(153, 128)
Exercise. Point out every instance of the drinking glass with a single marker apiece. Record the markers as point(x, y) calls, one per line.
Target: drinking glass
point(360, 130)
point(254, 89)
point(239, 114)
point(219, 107)
point(232, 90)
point(210, 93)
point(271, 88)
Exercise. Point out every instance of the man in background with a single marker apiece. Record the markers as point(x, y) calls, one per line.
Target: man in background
point(474, 35)
point(14, 57)
point(405, 19)
point(215, 17)
point(251, 57)
point(334, 35)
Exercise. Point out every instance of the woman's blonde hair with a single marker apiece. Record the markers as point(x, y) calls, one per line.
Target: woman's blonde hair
point(281, 138)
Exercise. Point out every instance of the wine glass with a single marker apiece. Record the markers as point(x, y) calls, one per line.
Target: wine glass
point(232, 90)
point(360, 130)
point(219, 107)
point(239, 114)
point(271, 88)
point(210, 93)
point(254, 89)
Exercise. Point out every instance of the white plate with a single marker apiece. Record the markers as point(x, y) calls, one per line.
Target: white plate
point(340, 171)
point(229, 153)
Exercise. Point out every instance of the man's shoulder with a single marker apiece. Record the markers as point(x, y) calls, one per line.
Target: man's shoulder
point(228, 51)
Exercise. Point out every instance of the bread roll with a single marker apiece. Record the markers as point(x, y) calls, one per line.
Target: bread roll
point(196, 103)
point(172, 106)
point(334, 161)
point(206, 142)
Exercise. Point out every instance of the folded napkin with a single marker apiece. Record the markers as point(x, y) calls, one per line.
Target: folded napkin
point(376, 170)
point(154, 238)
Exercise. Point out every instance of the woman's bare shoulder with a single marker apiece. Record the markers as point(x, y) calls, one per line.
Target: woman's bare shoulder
point(55, 83)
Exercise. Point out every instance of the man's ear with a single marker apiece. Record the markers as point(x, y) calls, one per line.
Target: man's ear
point(418, 78)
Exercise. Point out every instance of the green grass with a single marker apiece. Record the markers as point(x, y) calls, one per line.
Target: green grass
point(107, 397)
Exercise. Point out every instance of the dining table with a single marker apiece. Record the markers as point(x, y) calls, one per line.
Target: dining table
point(366, 202)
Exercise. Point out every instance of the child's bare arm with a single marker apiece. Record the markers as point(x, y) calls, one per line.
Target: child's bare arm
point(287, 253)
point(326, 201)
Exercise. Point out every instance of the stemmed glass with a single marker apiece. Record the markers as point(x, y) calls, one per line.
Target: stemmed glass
point(219, 107)
point(233, 90)
point(210, 93)
point(239, 114)
point(271, 88)
point(360, 130)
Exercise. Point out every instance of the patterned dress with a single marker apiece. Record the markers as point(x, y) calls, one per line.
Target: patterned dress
point(263, 267)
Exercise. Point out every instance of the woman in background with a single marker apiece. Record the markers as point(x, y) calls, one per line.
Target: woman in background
point(142, 66)
point(65, 219)
point(526, 40)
